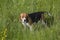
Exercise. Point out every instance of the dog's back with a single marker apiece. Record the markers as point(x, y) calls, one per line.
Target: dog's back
point(36, 16)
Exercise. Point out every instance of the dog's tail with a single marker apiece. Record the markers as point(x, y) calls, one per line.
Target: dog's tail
point(48, 13)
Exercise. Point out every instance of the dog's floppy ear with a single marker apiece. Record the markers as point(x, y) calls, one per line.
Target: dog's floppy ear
point(29, 20)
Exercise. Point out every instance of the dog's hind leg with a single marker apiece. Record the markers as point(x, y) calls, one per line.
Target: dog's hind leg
point(42, 20)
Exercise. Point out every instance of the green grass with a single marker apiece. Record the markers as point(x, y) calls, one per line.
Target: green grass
point(12, 29)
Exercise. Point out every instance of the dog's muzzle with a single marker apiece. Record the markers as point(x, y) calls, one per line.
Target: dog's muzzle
point(26, 20)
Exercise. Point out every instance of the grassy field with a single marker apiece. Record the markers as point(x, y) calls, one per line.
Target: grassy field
point(11, 29)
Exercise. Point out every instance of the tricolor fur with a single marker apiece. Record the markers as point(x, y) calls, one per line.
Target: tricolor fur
point(29, 19)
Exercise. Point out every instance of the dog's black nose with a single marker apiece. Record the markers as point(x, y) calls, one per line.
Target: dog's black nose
point(24, 20)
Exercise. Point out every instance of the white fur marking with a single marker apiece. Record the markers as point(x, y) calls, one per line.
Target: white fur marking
point(23, 19)
point(24, 24)
point(29, 26)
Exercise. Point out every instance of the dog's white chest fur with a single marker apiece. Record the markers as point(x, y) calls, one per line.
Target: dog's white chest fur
point(27, 25)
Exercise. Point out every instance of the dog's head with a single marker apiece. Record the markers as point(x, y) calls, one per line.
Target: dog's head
point(23, 17)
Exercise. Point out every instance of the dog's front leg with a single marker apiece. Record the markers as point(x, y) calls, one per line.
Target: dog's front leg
point(24, 24)
point(30, 26)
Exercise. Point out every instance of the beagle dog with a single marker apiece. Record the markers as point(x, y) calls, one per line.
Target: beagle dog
point(29, 19)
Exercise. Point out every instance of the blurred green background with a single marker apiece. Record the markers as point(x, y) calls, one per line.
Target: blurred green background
point(12, 29)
